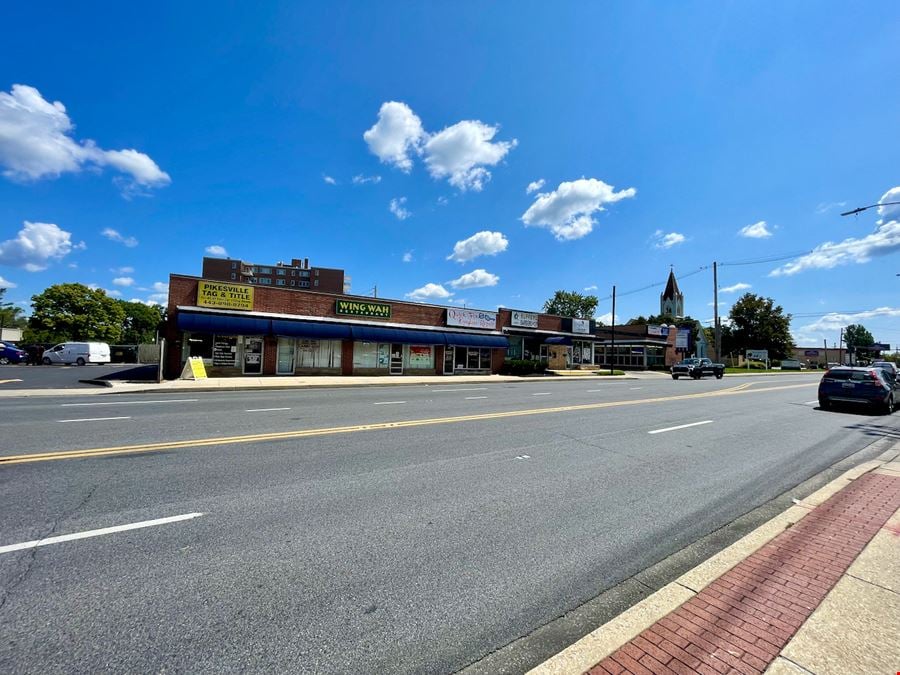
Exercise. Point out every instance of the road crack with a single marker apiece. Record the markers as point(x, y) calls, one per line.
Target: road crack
point(32, 553)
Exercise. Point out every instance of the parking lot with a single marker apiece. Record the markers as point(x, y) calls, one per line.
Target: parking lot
point(20, 376)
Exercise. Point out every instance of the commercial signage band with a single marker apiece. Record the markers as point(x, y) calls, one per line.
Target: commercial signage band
point(471, 318)
point(581, 326)
point(228, 296)
point(380, 310)
point(524, 319)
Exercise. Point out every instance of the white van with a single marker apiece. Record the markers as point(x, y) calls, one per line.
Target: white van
point(78, 353)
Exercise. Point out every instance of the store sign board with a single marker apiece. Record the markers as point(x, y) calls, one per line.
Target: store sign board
point(471, 318)
point(524, 319)
point(380, 310)
point(581, 326)
point(228, 296)
point(662, 331)
point(760, 354)
point(811, 352)
point(683, 338)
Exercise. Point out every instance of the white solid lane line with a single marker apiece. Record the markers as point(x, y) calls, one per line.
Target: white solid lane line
point(265, 409)
point(680, 426)
point(542, 393)
point(812, 402)
point(95, 419)
point(171, 400)
point(96, 533)
point(472, 398)
point(389, 402)
point(441, 391)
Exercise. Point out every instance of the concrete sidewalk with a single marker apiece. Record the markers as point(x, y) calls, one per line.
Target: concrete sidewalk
point(814, 590)
point(291, 382)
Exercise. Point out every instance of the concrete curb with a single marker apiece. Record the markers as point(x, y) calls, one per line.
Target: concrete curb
point(608, 638)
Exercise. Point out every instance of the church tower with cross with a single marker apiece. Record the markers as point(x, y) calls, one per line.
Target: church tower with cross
point(671, 302)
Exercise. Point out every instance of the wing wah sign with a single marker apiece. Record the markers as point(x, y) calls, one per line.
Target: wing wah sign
point(380, 310)
point(229, 296)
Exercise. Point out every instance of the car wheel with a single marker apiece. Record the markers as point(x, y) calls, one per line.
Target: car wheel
point(824, 403)
point(46, 361)
point(80, 361)
point(889, 406)
point(674, 377)
point(3, 360)
point(719, 376)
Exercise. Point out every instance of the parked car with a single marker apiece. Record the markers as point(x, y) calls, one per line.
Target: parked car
point(10, 353)
point(697, 368)
point(889, 366)
point(859, 386)
point(79, 353)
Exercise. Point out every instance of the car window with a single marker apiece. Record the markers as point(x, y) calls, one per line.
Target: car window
point(861, 375)
point(838, 375)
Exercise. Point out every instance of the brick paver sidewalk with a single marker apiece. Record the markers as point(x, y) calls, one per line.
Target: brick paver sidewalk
point(742, 620)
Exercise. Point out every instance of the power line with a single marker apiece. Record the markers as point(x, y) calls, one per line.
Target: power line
point(768, 259)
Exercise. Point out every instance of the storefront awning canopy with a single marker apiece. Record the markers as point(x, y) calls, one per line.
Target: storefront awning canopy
point(558, 341)
point(397, 335)
point(223, 324)
point(307, 329)
point(470, 340)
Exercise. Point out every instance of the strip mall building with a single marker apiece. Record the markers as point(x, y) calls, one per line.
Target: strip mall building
point(242, 329)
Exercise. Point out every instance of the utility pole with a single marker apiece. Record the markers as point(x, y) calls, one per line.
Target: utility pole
point(612, 358)
point(825, 344)
point(716, 331)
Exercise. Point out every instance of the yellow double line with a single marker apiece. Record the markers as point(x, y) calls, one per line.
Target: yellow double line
point(329, 431)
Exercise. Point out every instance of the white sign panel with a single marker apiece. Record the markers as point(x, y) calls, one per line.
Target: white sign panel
point(581, 326)
point(524, 319)
point(682, 338)
point(758, 354)
point(471, 318)
point(657, 330)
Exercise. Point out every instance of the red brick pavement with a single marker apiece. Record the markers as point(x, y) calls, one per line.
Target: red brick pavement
point(742, 620)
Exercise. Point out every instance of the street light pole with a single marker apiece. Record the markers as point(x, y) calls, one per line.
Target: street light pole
point(717, 333)
point(612, 346)
point(866, 208)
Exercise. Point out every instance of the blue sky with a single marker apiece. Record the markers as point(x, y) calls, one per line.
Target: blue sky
point(651, 134)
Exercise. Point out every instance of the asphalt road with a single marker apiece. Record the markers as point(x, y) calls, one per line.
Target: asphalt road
point(20, 376)
point(493, 510)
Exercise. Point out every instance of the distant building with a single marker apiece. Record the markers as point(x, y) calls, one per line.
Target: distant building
point(297, 275)
point(671, 302)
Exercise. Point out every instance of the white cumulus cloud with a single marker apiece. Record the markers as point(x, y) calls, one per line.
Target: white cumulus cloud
point(328, 179)
point(123, 281)
point(883, 241)
point(360, 179)
point(397, 132)
point(396, 207)
point(121, 270)
point(592, 287)
point(160, 295)
point(429, 292)
point(480, 243)
point(115, 235)
point(891, 212)
point(834, 321)
point(667, 240)
point(36, 142)
point(534, 186)
point(475, 279)
point(758, 230)
point(740, 286)
point(35, 246)
point(5, 283)
point(567, 211)
point(462, 151)
point(216, 250)
point(407, 257)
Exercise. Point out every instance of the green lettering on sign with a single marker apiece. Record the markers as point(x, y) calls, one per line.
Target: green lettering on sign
point(379, 310)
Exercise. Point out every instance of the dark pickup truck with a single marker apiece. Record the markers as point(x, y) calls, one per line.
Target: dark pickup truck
point(697, 368)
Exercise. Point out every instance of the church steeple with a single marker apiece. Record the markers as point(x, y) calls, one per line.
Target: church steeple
point(671, 302)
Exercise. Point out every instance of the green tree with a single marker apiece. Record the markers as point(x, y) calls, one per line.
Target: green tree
point(75, 312)
point(757, 323)
point(10, 315)
point(856, 335)
point(571, 303)
point(141, 322)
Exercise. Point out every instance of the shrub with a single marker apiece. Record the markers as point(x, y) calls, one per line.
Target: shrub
point(522, 367)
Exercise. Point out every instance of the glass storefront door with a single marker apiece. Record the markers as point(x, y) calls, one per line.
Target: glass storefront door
point(253, 355)
point(396, 359)
point(448, 360)
point(285, 356)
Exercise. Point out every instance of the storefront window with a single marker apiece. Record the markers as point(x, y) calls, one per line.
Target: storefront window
point(516, 347)
point(485, 359)
point(199, 344)
point(418, 356)
point(371, 355)
point(319, 354)
point(582, 351)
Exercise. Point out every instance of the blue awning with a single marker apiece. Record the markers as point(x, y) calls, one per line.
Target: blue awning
point(307, 329)
point(397, 335)
point(561, 340)
point(475, 340)
point(223, 324)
